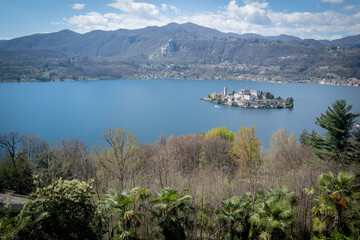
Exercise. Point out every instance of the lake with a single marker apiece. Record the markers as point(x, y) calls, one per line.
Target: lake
point(149, 108)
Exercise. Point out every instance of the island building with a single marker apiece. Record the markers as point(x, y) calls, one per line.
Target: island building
point(247, 98)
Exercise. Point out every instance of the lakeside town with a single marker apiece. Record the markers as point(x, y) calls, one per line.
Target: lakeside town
point(244, 72)
point(249, 99)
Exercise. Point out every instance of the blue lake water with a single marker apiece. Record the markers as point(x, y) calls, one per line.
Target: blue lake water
point(149, 108)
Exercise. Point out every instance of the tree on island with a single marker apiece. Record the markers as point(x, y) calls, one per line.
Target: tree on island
point(268, 95)
point(289, 102)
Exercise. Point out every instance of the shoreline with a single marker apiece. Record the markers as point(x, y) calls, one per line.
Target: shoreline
point(192, 79)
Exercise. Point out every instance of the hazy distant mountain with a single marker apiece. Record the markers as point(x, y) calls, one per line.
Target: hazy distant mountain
point(347, 42)
point(284, 37)
point(148, 41)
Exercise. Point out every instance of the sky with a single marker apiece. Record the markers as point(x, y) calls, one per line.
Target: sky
point(316, 19)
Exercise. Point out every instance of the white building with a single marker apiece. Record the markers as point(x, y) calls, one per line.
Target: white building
point(236, 96)
point(255, 93)
point(249, 95)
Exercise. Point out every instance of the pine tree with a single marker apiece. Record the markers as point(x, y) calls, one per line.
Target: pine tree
point(338, 121)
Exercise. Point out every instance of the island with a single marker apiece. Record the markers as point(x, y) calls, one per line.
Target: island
point(249, 99)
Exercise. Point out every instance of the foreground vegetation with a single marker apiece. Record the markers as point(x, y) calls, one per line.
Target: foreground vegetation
point(217, 185)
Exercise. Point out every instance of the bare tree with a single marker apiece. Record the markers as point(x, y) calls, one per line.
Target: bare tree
point(69, 159)
point(19, 173)
point(9, 142)
point(119, 160)
point(216, 153)
point(32, 146)
point(162, 163)
point(186, 150)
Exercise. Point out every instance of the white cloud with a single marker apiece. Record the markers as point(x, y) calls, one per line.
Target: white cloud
point(257, 17)
point(355, 8)
point(166, 7)
point(89, 21)
point(250, 17)
point(333, 1)
point(56, 23)
point(78, 6)
point(112, 21)
point(254, 12)
point(141, 9)
point(133, 15)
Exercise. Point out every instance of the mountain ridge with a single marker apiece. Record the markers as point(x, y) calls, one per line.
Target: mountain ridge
point(56, 40)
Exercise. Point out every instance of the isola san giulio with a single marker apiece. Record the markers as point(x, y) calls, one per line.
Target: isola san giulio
point(248, 98)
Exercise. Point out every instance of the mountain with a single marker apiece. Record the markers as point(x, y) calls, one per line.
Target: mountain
point(284, 37)
point(147, 41)
point(146, 52)
point(56, 41)
point(347, 42)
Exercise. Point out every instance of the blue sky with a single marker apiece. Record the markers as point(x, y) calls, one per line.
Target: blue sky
point(318, 19)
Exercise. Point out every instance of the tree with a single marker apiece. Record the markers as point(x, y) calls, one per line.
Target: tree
point(235, 214)
point(268, 95)
point(11, 228)
point(215, 154)
point(62, 210)
point(206, 215)
point(171, 209)
point(119, 161)
point(273, 216)
point(122, 205)
point(159, 161)
point(222, 132)
point(67, 160)
point(313, 140)
point(278, 160)
point(289, 102)
point(8, 143)
point(263, 215)
point(338, 121)
point(16, 174)
point(246, 149)
point(337, 205)
point(32, 146)
point(354, 147)
point(281, 139)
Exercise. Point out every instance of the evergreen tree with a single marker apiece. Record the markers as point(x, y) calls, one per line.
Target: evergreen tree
point(338, 121)
point(354, 148)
